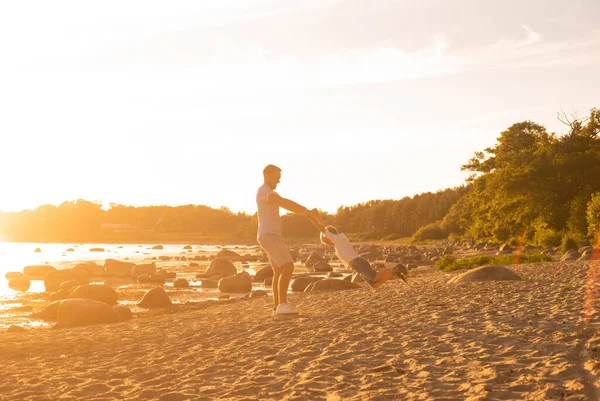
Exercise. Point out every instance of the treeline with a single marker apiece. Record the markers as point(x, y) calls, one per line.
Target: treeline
point(533, 185)
point(85, 221)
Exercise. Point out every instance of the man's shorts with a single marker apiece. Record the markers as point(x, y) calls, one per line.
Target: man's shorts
point(278, 253)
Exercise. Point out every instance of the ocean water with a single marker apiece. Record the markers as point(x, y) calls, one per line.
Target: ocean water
point(16, 306)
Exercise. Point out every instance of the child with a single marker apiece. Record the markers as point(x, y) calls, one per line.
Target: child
point(346, 253)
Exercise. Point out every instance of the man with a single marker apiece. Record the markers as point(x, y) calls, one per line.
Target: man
point(270, 239)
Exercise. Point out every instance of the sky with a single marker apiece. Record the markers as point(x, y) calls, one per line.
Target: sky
point(184, 102)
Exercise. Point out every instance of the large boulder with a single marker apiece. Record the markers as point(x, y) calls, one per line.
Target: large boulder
point(10, 275)
point(19, 284)
point(300, 284)
point(50, 312)
point(155, 298)
point(240, 282)
point(123, 311)
point(313, 258)
point(37, 272)
point(54, 279)
point(209, 283)
point(90, 268)
point(82, 312)
point(571, 254)
point(96, 292)
point(263, 273)
point(221, 267)
point(158, 247)
point(138, 270)
point(226, 253)
point(486, 273)
point(117, 268)
point(58, 295)
point(322, 267)
point(181, 283)
point(331, 284)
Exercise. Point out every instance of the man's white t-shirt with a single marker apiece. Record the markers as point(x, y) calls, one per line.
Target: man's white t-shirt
point(343, 248)
point(269, 221)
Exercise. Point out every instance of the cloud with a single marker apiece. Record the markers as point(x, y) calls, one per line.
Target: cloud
point(532, 37)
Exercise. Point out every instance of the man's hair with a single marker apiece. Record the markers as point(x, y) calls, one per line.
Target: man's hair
point(271, 169)
point(332, 229)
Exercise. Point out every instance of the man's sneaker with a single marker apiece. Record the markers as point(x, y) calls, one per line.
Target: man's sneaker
point(285, 309)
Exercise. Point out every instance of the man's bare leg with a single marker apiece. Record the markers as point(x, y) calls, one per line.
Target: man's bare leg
point(275, 285)
point(284, 281)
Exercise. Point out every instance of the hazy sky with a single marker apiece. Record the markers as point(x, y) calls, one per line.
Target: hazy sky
point(179, 102)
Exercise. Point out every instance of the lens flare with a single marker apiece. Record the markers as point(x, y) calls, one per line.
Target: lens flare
point(592, 282)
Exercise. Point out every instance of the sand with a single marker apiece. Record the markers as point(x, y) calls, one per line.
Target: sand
point(532, 339)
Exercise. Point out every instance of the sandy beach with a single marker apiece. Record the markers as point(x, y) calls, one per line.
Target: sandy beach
point(526, 339)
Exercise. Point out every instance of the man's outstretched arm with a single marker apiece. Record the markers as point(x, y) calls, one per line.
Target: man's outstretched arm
point(290, 205)
point(316, 223)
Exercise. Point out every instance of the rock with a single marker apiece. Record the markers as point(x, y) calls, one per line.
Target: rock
point(240, 282)
point(585, 257)
point(164, 258)
point(117, 268)
point(138, 270)
point(90, 268)
point(486, 273)
point(37, 272)
point(181, 283)
point(83, 312)
point(334, 274)
point(226, 253)
point(158, 247)
point(15, 329)
point(571, 254)
point(330, 284)
point(70, 250)
point(369, 255)
point(21, 284)
point(124, 312)
point(258, 294)
point(322, 266)
point(155, 298)
point(187, 247)
point(68, 286)
point(152, 279)
point(96, 292)
point(10, 275)
point(50, 312)
point(263, 273)
point(96, 249)
point(59, 295)
point(299, 284)
point(54, 279)
point(170, 275)
point(208, 283)
point(37, 250)
point(313, 258)
point(222, 267)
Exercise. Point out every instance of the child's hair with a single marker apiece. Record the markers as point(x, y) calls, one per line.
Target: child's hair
point(332, 229)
